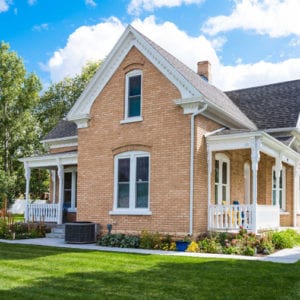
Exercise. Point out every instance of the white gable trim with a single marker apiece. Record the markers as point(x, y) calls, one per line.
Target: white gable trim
point(80, 112)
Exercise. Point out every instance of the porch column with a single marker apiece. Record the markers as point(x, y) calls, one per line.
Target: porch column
point(278, 169)
point(296, 206)
point(27, 195)
point(209, 168)
point(255, 157)
point(53, 178)
point(60, 172)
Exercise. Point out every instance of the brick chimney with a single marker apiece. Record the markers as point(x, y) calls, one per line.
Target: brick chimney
point(204, 70)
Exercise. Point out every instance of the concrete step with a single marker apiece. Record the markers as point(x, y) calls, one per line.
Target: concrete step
point(57, 232)
point(55, 235)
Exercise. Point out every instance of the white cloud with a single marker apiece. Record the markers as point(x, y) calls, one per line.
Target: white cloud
point(90, 3)
point(137, 6)
point(32, 2)
point(3, 6)
point(40, 27)
point(94, 42)
point(84, 44)
point(276, 18)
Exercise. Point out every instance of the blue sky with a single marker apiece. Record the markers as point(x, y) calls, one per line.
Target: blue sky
point(248, 42)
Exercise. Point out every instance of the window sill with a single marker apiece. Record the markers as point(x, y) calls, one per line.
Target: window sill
point(144, 212)
point(131, 120)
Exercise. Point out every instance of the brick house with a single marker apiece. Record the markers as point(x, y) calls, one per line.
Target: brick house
point(152, 145)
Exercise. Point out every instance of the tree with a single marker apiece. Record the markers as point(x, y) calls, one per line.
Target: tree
point(19, 130)
point(58, 99)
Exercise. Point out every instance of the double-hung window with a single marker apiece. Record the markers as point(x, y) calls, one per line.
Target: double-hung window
point(222, 179)
point(133, 97)
point(131, 178)
point(281, 188)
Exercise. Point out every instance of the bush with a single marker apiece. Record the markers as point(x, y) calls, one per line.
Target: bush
point(285, 239)
point(119, 240)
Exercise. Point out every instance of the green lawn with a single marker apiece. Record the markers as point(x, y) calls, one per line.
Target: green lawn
point(34, 272)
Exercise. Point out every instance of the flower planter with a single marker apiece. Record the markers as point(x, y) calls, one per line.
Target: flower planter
point(181, 245)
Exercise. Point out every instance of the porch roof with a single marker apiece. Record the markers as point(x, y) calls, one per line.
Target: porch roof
point(247, 139)
point(51, 160)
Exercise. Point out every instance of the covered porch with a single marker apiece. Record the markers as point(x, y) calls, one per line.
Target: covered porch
point(253, 182)
point(63, 176)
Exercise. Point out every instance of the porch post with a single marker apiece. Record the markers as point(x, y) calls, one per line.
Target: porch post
point(278, 168)
point(60, 172)
point(255, 157)
point(53, 178)
point(209, 168)
point(27, 195)
point(296, 207)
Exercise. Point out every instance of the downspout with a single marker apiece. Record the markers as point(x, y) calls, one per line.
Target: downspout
point(199, 111)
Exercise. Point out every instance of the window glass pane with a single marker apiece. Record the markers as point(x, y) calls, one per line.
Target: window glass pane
point(224, 198)
point(216, 194)
point(274, 197)
point(134, 85)
point(280, 180)
point(123, 170)
point(123, 195)
point(142, 185)
point(134, 106)
point(142, 194)
point(216, 171)
point(142, 168)
point(274, 180)
point(224, 173)
point(67, 198)
point(280, 199)
point(68, 181)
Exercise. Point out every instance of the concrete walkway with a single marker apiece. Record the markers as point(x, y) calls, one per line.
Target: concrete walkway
point(287, 256)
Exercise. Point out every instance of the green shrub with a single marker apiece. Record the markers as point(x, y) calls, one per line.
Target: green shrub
point(119, 240)
point(150, 240)
point(210, 245)
point(285, 239)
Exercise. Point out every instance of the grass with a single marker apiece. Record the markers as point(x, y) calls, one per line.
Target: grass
point(35, 272)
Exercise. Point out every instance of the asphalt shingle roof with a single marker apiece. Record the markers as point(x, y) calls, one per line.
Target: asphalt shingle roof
point(61, 130)
point(270, 106)
point(210, 92)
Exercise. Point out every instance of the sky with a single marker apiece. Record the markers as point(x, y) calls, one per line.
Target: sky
point(248, 42)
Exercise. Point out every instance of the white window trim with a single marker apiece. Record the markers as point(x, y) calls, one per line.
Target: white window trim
point(72, 170)
point(223, 158)
point(283, 209)
point(132, 210)
point(139, 118)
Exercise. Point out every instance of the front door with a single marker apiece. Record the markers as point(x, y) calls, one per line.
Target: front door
point(70, 195)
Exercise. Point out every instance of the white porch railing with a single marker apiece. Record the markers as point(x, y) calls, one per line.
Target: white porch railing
point(43, 212)
point(267, 216)
point(230, 217)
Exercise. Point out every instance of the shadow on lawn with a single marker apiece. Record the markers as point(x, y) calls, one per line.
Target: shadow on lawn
point(21, 251)
point(204, 279)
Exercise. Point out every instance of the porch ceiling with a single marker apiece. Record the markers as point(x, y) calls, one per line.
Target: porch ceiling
point(245, 139)
point(51, 160)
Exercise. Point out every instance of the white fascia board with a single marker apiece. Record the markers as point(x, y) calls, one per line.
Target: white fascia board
point(269, 144)
point(59, 140)
point(130, 38)
point(50, 160)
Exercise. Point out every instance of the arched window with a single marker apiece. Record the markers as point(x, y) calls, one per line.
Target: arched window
point(282, 188)
point(247, 183)
point(133, 96)
point(222, 179)
point(132, 174)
